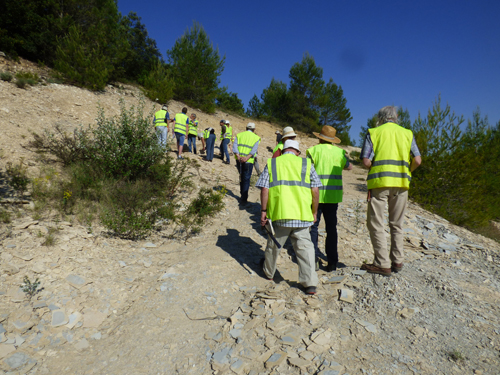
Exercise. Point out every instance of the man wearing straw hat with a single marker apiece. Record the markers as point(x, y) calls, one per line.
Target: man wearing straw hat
point(329, 162)
point(288, 133)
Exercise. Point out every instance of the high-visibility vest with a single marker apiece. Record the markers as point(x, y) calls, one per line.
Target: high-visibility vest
point(228, 134)
point(290, 194)
point(193, 127)
point(161, 118)
point(329, 161)
point(246, 141)
point(391, 165)
point(279, 146)
point(206, 133)
point(181, 120)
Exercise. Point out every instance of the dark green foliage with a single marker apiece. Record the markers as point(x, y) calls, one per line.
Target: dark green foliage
point(207, 203)
point(142, 54)
point(158, 85)
point(307, 104)
point(229, 101)
point(254, 107)
point(18, 174)
point(6, 76)
point(196, 67)
point(458, 179)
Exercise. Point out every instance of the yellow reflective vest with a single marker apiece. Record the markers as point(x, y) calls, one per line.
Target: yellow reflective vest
point(246, 141)
point(181, 119)
point(279, 146)
point(290, 196)
point(391, 164)
point(329, 161)
point(206, 133)
point(229, 132)
point(161, 118)
point(193, 127)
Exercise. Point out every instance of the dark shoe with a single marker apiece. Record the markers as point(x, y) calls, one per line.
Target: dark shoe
point(396, 267)
point(331, 267)
point(226, 162)
point(371, 268)
point(311, 290)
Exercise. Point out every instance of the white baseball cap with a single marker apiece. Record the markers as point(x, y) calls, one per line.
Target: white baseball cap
point(250, 125)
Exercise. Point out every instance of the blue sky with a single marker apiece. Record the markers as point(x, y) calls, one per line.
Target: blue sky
point(404, 53)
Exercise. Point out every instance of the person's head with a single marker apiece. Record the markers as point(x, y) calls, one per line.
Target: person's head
point(164, 107)
point(251, 126)
point(184, 110)
point(387, 114)
point(227, 122)
point(193, 116)
point(327, 135)
point(212, 131)
point(291, 145)
point(288, 133)
point(277, 132)
point(222, 122)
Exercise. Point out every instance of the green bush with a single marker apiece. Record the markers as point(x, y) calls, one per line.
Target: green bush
point(21, 82)
point(4, 216)
point(31, 78)
point(6, 76)
point(18, 176)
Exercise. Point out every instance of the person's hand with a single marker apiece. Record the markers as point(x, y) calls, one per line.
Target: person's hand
point(263, 219)
point(315, 216)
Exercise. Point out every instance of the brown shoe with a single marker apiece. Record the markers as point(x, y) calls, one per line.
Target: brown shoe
point(371, 268)
point(396, 267)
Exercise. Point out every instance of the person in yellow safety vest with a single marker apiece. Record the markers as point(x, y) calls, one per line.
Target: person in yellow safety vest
point(181, 129)
point(193, 133)
point(161, 120)
point(222, 124)
point(210, 137)
point(288, 133)
point(204, 137)
point(225, 137)
point(387, 152)
point(229, 135)
point(289, 198)
point(329, 161)
point(245, 147)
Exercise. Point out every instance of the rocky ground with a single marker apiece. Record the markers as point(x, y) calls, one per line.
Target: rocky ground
point(162, 306)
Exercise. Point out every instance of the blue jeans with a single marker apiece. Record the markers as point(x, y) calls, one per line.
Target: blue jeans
point(192, 140)
point(245, 171)
point(329, 211)
point(162, 134)
point(210, 146)
point(224, 144)
point(180, 138)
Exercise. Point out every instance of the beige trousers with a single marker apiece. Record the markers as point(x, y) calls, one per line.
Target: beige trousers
point(396, 198)
point(304, 250)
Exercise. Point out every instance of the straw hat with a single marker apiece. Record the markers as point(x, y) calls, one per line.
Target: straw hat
point(288, 132)
point(328, 134)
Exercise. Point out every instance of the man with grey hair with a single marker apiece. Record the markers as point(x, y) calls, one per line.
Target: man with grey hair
point(386, 153)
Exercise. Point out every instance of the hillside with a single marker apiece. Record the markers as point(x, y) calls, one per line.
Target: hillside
point(160, 306)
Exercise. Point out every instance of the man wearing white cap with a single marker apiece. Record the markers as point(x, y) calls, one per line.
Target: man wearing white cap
point(244, 148)
point(289, 197)
point(329, 161)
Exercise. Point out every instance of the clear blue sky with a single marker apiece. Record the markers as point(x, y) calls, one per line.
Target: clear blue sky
point(404, 52)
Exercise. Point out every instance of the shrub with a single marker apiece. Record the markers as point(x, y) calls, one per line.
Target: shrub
point(5, 216)
point(18, 176)
point(6, 76)
point(21, 82)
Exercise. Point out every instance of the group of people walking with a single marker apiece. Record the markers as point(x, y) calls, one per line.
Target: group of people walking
point(296, 192)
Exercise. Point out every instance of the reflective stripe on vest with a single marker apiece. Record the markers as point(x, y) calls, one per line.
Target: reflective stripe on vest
point(180, 123)
point(290, 195)
point(193, 127)
point(161, 118)
point(246, 140)
point(229, 132)
point(329, 161)
point(391, 167)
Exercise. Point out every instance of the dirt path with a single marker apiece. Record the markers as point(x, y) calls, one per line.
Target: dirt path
point(159, 306)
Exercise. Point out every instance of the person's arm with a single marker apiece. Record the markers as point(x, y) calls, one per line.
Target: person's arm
point(415, 163)
point(187, 126)
point(315, 201)
point(348, 164)
point(235, 147)
point(264, 196)
point(367, 163)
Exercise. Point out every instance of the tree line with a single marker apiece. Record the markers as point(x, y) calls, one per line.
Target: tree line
point(459, 178)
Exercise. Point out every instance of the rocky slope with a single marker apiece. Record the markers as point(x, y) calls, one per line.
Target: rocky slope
point(160, 306)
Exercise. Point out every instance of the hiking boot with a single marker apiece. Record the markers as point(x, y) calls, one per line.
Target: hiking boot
point(371, 268)
point(396, 267)
point(311, 290)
